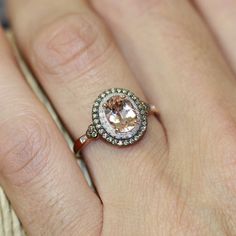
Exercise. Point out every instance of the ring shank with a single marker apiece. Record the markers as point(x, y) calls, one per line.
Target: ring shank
point(80, 143)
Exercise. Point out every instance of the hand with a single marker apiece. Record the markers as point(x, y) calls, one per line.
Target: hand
point(181, 178)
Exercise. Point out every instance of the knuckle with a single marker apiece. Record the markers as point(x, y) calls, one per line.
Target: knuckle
point(25, 155)
point(72, 43)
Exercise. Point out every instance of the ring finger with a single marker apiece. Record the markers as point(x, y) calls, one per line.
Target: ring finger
point(75, 59)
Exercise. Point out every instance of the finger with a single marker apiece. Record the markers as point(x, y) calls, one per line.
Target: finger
point(75, 60)
point(174, 58)
point(37, 170)
point(221, 17)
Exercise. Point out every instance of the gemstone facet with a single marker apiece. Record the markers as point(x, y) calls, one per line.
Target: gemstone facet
point(120, 113)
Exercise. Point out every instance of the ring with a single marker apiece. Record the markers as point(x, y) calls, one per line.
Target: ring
point(119, 117)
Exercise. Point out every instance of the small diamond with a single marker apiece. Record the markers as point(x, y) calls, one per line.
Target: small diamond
point(104, 135)
point(143, 128)
point(96, 121)
point(109, 139)
point(96, 104)
point(83, 139)
point(91, 132)
point(98, 126)
point(144, 117)
point(130, 93)
point(126, 142)
point(142, 112)
point(101, 131)
point(120, 143)
point(131, 141)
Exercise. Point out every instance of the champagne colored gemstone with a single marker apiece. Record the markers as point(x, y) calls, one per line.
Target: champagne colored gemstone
point(120, 113)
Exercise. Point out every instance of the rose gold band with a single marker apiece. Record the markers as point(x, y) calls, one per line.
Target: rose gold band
point(84, 139)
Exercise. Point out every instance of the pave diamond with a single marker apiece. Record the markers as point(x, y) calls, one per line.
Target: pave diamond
point(120, 113)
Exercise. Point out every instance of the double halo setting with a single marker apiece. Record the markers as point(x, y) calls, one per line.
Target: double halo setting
point(119, 117)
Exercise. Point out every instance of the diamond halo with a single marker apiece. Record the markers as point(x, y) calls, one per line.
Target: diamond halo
point(119, 117)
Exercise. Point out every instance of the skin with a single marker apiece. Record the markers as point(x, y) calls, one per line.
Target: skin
point(178, 54)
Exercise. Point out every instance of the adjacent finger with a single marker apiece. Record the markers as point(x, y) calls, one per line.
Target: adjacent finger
point(174, 57)
point(221, 17)
point(37, 170)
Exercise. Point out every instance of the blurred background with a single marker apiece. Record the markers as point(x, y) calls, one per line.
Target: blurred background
point(2, 14)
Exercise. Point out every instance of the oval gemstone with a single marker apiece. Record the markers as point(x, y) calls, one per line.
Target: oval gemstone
point(120, 113)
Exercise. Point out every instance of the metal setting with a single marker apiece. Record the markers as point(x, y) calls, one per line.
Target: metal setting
point(119, 117)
